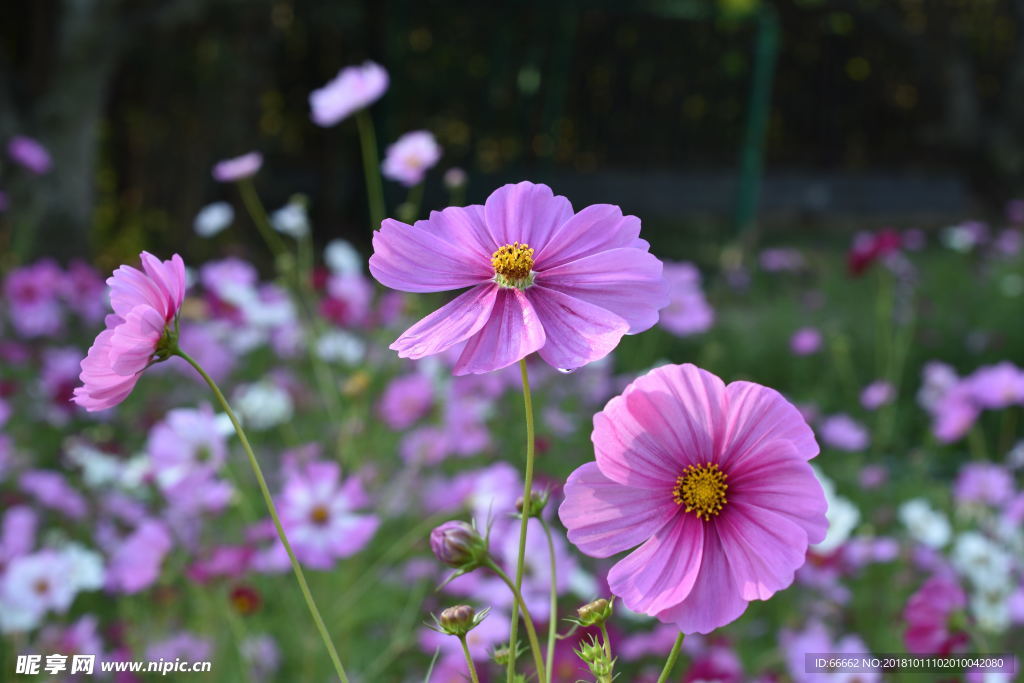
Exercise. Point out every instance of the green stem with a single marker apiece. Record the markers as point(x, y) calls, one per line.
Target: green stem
point(553, 613)
point(371, 167)
point(607, 641)
point(527, 494)
point(671, 661)
point(531, 632)
point(258, 214)
point(272, 509)
point(469, 660)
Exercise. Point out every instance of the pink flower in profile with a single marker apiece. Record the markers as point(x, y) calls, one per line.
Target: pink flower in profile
point(711, 481)
point(238, 168)
point(146, 305)
point(354, 88)
point(410, 157)
point(543, 278)
point(30, 154)
point(928, 613)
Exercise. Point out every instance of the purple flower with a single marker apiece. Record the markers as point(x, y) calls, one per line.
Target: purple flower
point(543, 278)
point(318, 514)
point(238, 168)
point(406, 400)
point(18, 533)
point(410, 157)
point(985, 483)
point(32, 293)
point(996, 386)
point(844, 433)
point(805, 341)
point(780, 259)
point(877, 394)
point(136, 560)
point(688, 312)
point(30, 154)
point(354, 88)
point(183, 645)
point(52, 490)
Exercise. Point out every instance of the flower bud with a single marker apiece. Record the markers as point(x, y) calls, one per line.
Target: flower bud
point(457, 620)
point(538, 500)
point(457, 544)
point(594, 613)
point(597, 659)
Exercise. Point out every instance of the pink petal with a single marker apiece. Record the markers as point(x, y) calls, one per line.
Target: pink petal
point(661, 573)
point(525, 213)
point(577, 332)
point(354, 533)
point(757, 415)
point(779, 480)
point(764, 549)
point(412, 258)
point(715, 599)
point(101, 387)
point(169, 276)
point(130, 287)
point(596, 228)
point(464, 225)
point(664, 421)
point(627, 282)
point(604, 517)
point(454, 322)
point(135, 340)
point(511, 333)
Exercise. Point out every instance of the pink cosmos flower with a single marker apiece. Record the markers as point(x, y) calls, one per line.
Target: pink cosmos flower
point(844, 433)
point(410, 157)
point(30, 154)
point(406, 400)
point(145, 304)
point(688, 312)
point(354, 88)
point(542, 278)
point(877, 394)
point(985, 483)
point(711, 481)
point(805, 341)
point(136, 560)
point(238, 168)
point(928, 613)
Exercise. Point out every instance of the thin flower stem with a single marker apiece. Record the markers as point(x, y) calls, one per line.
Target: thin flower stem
point(607, 641)
point(527, 494)
point(553, 612)
point(272, 509)
point(469, 660)
point(371, 167)
point(531, 632)
point(671, 661)
point(258, 214)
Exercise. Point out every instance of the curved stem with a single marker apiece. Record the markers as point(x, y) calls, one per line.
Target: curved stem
point(671, 661)
point(553, 612)
point(469, 660)
point(371, 167)
point(258, 214)
point(527, 493)
point(272, 509)
point(531, 632)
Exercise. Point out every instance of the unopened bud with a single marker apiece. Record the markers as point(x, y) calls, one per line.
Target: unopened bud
point(594, 613)
point(457, 544)
point(597, 659)
point(538, 500)
point(457, 620)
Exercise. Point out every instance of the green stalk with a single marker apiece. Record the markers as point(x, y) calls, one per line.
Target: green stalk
point(671, 661)
point(272, 509)
point(527, 494)
point(371, 167)
point(553, 613)
point(469, 660)
point(258, 214)
point(531, 631)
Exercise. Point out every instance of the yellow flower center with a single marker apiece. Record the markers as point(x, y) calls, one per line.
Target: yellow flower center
point(701, 488)
point(319, 515)
point(513, 265)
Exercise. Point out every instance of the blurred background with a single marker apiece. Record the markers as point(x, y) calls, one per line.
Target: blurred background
point(699, 115)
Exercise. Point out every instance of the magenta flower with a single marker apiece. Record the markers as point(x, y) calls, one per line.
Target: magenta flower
point(406, 400)
point(410, 157)
point(542, 278)
point(928, 614)
point(238, 168)
point(142, 329)
point(877, 394)
point(354, 88)
point(711, 481)
point(844, 433)
point(30, 154)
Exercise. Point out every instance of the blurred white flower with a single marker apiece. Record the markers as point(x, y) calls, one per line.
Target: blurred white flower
point(991, 609)
point(926, 525)
point(213, 218)
point(291, 219)
point(842, 514)
point(264, 405)
point(342, 258)
point(986, 563)
point(85, 567)
point(340, 346)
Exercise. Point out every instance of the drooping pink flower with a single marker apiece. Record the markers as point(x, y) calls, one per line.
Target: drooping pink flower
point(543, 278)
point(238, 168)
point(354, 88)
point(410, 157)
point(928, 613)
point(318, 512)
point(146, 304)
point(30, 154)
point(711, 481)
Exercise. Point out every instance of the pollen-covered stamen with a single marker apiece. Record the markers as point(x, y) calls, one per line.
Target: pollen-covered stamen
point(513, 265)
point(701, 488)
point(319, 515)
